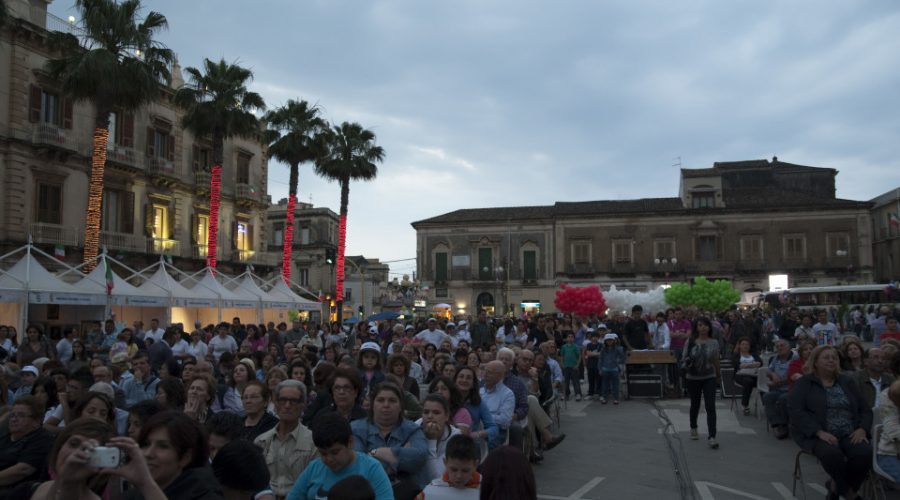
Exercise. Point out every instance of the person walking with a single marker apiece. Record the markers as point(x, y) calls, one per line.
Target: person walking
point(701, 362)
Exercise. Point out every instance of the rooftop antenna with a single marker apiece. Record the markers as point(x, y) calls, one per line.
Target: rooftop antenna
point(677, 161)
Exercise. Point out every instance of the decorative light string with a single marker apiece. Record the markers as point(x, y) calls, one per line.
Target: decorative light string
point(288, 239)
point(339, 272)
point(95, 199)
point(215, 185)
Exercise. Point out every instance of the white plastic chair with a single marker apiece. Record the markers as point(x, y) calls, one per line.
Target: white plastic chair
point(874, 485)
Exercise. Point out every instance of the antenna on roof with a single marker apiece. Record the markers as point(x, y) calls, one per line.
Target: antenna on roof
point(677, 163)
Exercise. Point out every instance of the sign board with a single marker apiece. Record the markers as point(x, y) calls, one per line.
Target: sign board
point(460, 261)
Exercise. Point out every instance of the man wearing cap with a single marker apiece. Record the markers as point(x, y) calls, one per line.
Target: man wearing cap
point(462, 331)
point(431, 334)
point(452, 334)
point(27, 376)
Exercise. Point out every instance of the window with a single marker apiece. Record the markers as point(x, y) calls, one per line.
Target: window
point(703, 199)
point(160, 222)
point(201, 234)
point(161, 145)
point(303, 276)
point(304, 236)
point(485, 264)
point(243, 240)
point(440, 267)
point(621, 251)
point(581, 252)
point(121, 130)
point(118, 211)
point(201, 158)
point(243, 168)
point(529, 265)
point(278, 233)
point(707, 248)
point(837, 244)
point(751, 248)
point(48, 107)
point(794, 246)
point(348, 294)
point(49, 203)
point(664, 250)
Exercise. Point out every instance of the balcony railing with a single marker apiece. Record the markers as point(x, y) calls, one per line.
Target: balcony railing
point(161, 166)
point(265, 259)
point(51, 135)
point(54, 234)
point(123, 241)
point(164, 246)
point(200, 251)
point(246, 192)
point(123, 155)
point(202, 180)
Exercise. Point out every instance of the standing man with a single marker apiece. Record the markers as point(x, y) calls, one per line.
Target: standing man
point(222, 343)
point(635, 332)
point(155, 332)
point(64, 346)
point(679, 332)
point(482, 334)
point(431, 334)
point(288, 447)
point(825, 331)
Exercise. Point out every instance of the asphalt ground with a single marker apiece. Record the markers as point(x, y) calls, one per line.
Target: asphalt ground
point(641, 449)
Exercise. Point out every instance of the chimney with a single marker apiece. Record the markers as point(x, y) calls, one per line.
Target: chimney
point(177, 77)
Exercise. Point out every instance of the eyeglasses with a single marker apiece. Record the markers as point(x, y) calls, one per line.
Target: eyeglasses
point(293, 401)
point(342, 388)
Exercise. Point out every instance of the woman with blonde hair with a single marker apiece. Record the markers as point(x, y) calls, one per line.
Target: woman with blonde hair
point(831, 420)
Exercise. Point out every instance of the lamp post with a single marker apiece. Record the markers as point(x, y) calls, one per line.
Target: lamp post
point(665, 263)
point(501, 284)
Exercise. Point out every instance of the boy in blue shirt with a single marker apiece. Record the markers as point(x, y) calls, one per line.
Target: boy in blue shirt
point(571, 355)
point(337, 460)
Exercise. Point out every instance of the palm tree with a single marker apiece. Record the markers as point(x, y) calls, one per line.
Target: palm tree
point(217, 103)
point(294, 137)
point(350, 154)
point(116, 64)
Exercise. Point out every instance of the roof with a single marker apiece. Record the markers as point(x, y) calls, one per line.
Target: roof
point(777, 197)
point(615, 207)
point(492, 214)
point(775, 164)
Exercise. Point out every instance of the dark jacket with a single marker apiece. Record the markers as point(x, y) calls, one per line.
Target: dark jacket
point(806, 404)
point(866, 387)
point(197, 483)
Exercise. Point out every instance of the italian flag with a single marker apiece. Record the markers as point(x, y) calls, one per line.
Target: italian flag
point(893, 219)
point(59, 251)
point(109, 278)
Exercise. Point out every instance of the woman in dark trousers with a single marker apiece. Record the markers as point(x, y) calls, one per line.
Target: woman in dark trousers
point(701, 374)
point(830, 420)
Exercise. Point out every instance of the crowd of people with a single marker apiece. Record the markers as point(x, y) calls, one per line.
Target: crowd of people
point(430, 408)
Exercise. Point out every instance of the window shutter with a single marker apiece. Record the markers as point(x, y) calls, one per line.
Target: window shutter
point(170, 150)
point(128, 130)
point(195, 228)
point(67, 113)
point(234, 235)
point(195, 158)
point(171, 216)
point(148, 219)
point(250, 244)
point(150, 140)
point(128, 213)
point(34, 104)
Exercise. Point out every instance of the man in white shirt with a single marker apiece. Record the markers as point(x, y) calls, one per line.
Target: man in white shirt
point(64, 346)
point(825, 331)
point(180, 348)
point(498, 398)
point(155, 332)
point(222, 343)
point(659, 333)
point(431, 334)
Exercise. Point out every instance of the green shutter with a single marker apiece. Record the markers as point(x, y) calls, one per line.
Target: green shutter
point(485, 264)
point(530, 264)
point(440, 267)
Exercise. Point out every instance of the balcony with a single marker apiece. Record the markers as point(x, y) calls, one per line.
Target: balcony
point(163, 246)
point(246, 194)
point(123, 156)
point(54, 234)
point(200, 251)
point(265, 259)
point(161, 169)
point(201, 182)
point(48, 134)
point(123, 241)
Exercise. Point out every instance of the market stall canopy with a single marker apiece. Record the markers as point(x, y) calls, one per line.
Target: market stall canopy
point(43, 287)
point(180, 295)
point(246, 285)
point(209, 284)
point(123, 293)
point(280, 292)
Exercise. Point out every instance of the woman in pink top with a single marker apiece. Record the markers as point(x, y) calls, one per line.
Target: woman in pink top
point(460, 417)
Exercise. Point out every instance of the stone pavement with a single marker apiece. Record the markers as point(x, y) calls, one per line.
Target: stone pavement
point(641, 449)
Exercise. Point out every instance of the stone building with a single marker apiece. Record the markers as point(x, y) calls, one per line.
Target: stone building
point(886, 236)
point(315, 239)
point(156, 199)
point(740, 221)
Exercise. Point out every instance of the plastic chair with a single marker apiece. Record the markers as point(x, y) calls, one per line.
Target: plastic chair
point(874, 485)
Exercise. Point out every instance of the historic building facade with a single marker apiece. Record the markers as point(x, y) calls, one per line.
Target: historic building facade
point(886, 236)
point(156, 199)
point(314, 244)
point(740, 221)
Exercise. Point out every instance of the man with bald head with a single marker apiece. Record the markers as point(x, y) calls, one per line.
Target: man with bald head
point(498, 398)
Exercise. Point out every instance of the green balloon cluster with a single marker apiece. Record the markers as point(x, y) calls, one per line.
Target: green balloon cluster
point(714, 296)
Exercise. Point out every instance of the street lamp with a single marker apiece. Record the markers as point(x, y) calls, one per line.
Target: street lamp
point(665, 262)
point(499, 278)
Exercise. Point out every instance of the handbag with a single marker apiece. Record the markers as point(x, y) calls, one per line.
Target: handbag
point(687, 360)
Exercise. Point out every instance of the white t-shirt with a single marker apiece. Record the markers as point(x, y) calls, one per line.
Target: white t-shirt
point(199, 351)
point(156, 335)
point(432, 337)
point(219, 346)
point(180, 348)
point(825, 334)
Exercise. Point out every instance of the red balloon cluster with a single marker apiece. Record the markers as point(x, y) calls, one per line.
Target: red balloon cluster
point(582, 301)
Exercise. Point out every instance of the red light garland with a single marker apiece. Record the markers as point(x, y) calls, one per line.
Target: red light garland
point(215, 185)
point(288, 239)
point(95, 199)
point(339, 272)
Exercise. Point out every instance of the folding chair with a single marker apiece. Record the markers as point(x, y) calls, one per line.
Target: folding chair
point(874, 485)
point(798, 474)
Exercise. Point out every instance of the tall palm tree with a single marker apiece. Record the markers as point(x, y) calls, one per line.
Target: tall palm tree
point(350, 155)
point(116, 64)
point(294, 137)
point(218, 103)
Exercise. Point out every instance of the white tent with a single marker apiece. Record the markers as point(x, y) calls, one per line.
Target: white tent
point(280, 292)
point(232, 304)
point(123, 292)
point(43, 287)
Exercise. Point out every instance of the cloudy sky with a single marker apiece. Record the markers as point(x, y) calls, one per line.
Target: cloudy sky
point(515, 102)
